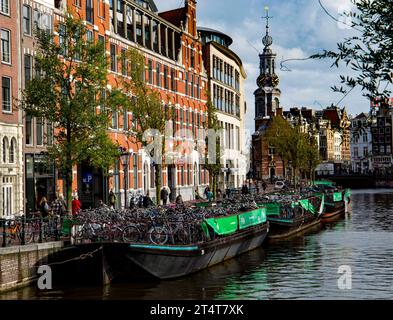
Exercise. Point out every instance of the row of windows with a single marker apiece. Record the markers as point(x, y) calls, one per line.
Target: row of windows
point(8, 150)
point(143, 29)
point(381, 130)
point(40, 20)
point(382, 139)
point(226, 101)
point(382, 149)
point(224, 72)
point(357, 154)
point(43, 134)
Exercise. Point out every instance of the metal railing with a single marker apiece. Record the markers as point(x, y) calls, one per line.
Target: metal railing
point(36, 229)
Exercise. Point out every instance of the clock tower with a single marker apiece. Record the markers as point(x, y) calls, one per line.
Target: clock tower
point(267, 96)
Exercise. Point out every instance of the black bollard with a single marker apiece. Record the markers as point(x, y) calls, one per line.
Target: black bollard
point(41, 226)
point(56, 229)
point(23, 238)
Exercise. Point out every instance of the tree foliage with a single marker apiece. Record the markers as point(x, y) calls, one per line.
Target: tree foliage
point(369, 53)
point(70, 91)
point(297, 149)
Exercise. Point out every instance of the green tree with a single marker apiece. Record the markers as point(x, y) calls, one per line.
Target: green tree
point(71, 83)
point(148, 112)
point(369, 53)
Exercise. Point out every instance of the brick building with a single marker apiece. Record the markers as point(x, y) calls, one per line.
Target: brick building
point(11, 161)
point(174, 66)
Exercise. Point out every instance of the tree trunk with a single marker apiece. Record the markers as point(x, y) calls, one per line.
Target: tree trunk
point(68, 184)
point(158, 181)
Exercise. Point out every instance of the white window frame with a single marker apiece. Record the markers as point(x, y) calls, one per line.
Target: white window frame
point(9, 46)
point(5, 4)
point(1, 95)
point(8, 200)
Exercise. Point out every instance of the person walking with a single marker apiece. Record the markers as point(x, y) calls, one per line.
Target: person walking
point(196, 194)
point(164, 195)
point(44, 207)
point(76, 206)
point(59, 206)
point(112, 199)
point(147, 202)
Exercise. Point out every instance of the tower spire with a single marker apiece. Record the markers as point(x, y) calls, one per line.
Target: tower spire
point(267, 39)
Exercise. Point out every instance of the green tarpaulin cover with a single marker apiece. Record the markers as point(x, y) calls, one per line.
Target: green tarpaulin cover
point(337, 196)
point(252, 218)
point(223, 226)
point(323, 183)
point(271, 208)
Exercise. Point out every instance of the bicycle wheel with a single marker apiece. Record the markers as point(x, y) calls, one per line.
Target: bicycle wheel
point(117, 234)
point(131, 233)
point(158, 235)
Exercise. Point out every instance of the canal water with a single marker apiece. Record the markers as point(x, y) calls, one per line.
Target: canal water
point(304, 268)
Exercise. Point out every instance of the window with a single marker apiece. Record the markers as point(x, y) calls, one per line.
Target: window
point(114, 120)
point(150, 72)
point(5, 6)
point(49, 134)
point(5, 148)
point(187, 83)
point(5, 46)
point(28, 130)
point(62, 39)
point(27, 20)
point(7, 200)
point(101, 9)
point(28, 62)
point(125, 120)
point(40, 132)
point(166, 82)
point(123, 62)
point(173, 80)
point(89, 36)
point(113, 57)
point(89, 11)
point(135, 164)
point(6, 94)
point(158, 76)
point(36, 19)
point(12, 151)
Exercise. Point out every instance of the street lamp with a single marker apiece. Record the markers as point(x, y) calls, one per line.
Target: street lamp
point(125, 159)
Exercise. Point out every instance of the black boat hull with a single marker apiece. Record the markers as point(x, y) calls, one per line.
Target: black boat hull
point(168, 262)
point(283, 229)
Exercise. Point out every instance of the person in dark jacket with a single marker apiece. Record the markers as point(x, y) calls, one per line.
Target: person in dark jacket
point(112, 199)
point(164, 196)
point(44, 207)
point(147, 202)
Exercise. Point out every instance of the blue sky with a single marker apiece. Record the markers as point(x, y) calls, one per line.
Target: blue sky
point(299, 28)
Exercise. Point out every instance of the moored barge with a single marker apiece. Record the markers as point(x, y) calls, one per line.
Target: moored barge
point(227, 237)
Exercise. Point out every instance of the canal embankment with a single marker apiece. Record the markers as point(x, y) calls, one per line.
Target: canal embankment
point(19, 264)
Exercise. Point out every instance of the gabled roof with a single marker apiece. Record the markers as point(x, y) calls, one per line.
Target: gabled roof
point(361, 116)
point(175, 16)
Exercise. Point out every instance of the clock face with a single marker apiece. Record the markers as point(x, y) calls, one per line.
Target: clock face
point(275, 80)
point(261, 81)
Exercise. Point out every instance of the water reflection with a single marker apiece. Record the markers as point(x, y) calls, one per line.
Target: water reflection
point(303, 268)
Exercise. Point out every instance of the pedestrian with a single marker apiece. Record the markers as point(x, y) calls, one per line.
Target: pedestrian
point(196, 194)
point(76, 206)
point(179, 199)
point(264, 186)
point(44, 207)
point(219, 194)
point(207, 189)
point(112, 199)
point(59, 206)
point(209, 196)
point(164, 195)
point(244, 189)
point(147, 202)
